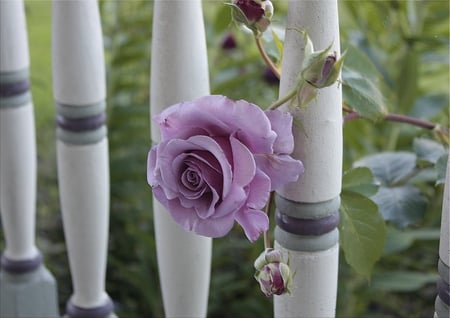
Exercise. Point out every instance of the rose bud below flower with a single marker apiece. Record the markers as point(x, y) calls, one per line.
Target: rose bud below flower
point(273, 275)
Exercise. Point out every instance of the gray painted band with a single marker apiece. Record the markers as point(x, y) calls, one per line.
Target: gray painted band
point(307, 227)
point(304, 210)
point(16, 76)
point(103, 311)
point(21, 266)
point(16, 100)
point(81, 138)
point(81, 111)
point(444, 271)
point(306, 243)
point(444, 291)
point(441, 309)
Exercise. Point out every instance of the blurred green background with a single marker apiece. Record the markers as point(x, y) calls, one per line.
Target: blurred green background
point(406, 40)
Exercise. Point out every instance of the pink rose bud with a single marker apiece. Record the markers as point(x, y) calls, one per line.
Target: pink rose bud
point(322, 68)
point(254, 14)
point(273, 275)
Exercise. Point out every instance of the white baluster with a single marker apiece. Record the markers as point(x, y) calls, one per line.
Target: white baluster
point(82, 151)
point(443, 299)
point(179, 71)
point(314, 198)
point(26, 287)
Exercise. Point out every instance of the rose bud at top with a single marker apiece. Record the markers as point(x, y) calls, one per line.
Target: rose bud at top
point(321, 68)
point(254, 14)
point(273, 275)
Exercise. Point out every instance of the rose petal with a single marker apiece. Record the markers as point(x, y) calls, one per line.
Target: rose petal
point(243, 163)
point(258, 191)
point(281, 169)
point(219, 116)
point(281, 123)
point(215, 227)
point(152, 166)
point(254, 222)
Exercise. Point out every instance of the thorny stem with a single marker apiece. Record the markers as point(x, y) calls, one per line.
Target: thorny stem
point(401, 119)
point(266, 58)
point(284, 99)
point(268, 209)
point(443, 132)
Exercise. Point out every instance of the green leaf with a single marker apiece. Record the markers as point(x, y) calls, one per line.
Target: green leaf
point(429, 106)
point(222, 19)
point(402, 281)
point(428, 150)
point(359, 180)
point(441, 168)
point(397, 240)
point(361, 86)
point(389, 168)
point(407, 81)
point(279, 45)
point(403, 205)
point(362, 232)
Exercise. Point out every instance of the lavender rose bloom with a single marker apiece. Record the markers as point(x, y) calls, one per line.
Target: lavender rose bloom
point(217, 162)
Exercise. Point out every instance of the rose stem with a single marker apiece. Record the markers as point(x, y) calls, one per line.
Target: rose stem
point(266, 57)
point(268, 209)
point(284, 99)
point(401, 119)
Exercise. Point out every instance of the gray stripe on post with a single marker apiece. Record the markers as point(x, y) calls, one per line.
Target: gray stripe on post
point(16, 76)
point(20, 266)
point(81, 124)
point(72, 111)
point(16, 100)
point(306, 243)
point(441, 309)
point(444, 291)
point(444, 271)
point(14, 88)
point(81, 138)
point(307, 227)
point(74, 311)
point(304, 210)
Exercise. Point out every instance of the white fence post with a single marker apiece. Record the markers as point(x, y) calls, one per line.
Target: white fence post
point(442, 303)
point(179, 71)
point(308, 210)
point(82, 151)
point(27, 289)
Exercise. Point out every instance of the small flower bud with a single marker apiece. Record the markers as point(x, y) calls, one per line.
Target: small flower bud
point(229, 42)
point(254, 14)
point(273, 275)
point(321, 68)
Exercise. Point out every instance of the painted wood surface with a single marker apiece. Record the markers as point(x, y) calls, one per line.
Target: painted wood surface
point(17, 136)
point(179, 71)
point(442, 303)
point(314, 198)
point(82, 151)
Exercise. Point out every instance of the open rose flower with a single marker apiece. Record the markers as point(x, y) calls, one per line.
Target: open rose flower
point(217, 162)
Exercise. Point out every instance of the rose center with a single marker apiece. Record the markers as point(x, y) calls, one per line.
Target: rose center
point(191, 179)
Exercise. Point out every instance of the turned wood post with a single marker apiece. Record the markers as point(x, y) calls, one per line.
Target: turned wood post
point(308, 210)
point(442, 303)
point(82, 151)
point(179, 71)
point(26, 287)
